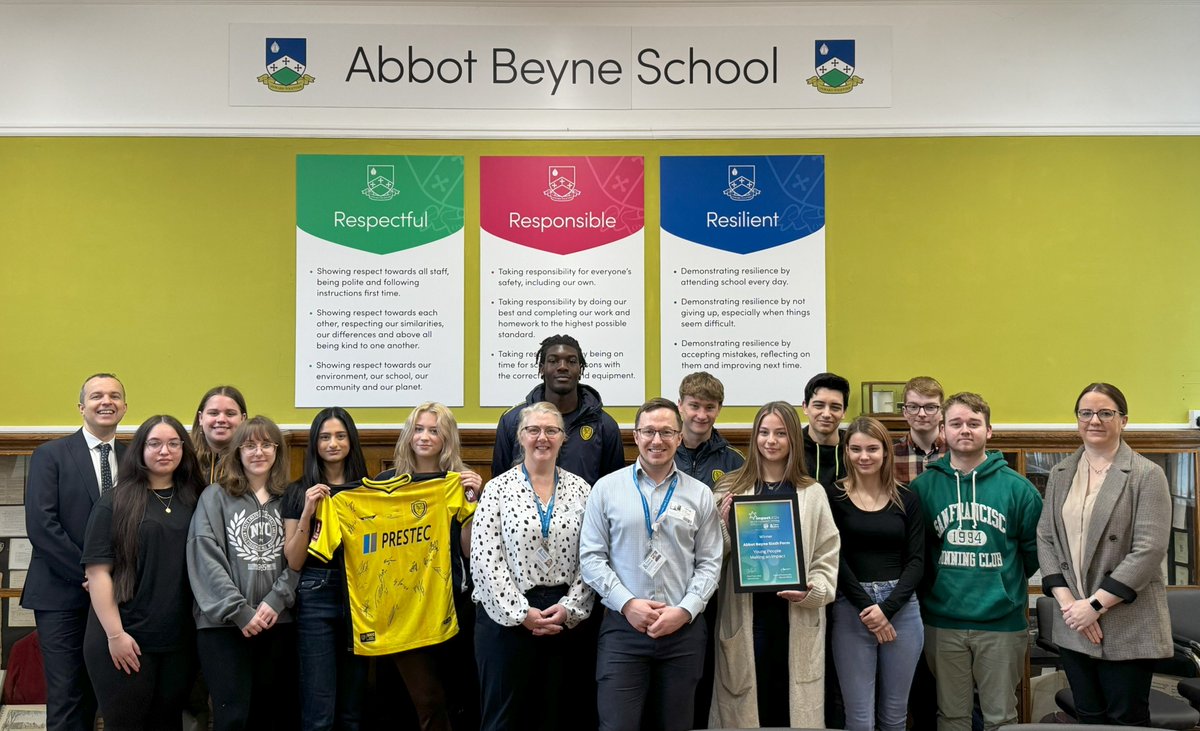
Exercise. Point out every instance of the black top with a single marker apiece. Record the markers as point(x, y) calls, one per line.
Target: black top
point(159, 615)
point(884, 545)
point(293, 507)
point(770, 611)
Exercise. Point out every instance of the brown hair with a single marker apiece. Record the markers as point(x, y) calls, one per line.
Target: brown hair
point(744, 479)
point(702, 385)
point(234, 479)
point(972, 401)
point(925, 386)
point(1108, 390)
point(873, 429)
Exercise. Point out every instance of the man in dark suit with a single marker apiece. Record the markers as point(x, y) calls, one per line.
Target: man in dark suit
point(66, 476)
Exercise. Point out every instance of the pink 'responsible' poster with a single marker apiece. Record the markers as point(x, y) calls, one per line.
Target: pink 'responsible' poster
point(562, 244)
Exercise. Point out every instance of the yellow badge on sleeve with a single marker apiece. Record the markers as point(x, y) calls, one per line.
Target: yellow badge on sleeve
point(717, 475)
point(586, 432)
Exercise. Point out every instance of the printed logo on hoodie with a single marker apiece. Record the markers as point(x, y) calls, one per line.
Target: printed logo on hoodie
point(256, 538)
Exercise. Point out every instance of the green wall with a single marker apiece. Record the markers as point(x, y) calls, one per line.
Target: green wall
point(1021, 268)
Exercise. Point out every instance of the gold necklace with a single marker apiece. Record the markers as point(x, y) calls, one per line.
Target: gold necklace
point(165, 503)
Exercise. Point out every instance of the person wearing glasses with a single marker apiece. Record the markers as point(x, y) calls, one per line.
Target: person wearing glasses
point(922, 445)
point(651, 549)
point(525, 546)
point(221, 410)
point(593, 447)
point(140, 643)
point(1101, 543)
point(243, 586)
point(771, 668)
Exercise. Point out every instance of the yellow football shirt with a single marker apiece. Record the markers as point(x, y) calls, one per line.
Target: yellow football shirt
point(395, 536)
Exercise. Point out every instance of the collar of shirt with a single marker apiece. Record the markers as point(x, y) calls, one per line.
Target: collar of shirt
point(94, 441)
point(644, 477)
point(939, 444)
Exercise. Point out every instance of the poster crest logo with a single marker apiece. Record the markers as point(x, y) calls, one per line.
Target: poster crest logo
point(286, 61)
point(562, 184)
point(586, 432)
point(835, 67)
point(381, 183)
point(741, 183)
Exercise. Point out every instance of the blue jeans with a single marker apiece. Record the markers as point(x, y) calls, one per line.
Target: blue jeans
point(875, 678)
point(332, 678)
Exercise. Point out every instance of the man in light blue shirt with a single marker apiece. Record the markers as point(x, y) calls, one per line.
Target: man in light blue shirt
point(651, 548)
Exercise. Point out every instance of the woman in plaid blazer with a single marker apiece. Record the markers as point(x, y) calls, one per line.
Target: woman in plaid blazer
point(1101, 543)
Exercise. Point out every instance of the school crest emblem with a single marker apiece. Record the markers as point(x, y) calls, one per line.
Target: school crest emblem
point(562, 184)
point(419, 508)
point(717, 475)
point(381, 183)
point(586, 432)
point(286, 60)
point(835, 67)
point(741, 183)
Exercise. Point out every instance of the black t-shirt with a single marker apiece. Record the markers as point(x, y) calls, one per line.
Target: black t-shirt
point(885, 545)
point(159, 615)
point(293, 508)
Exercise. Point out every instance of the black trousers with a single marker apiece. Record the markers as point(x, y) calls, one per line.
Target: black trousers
point(150, 699)
point(522, 677)
point(253, 680)
point(644, 682)
point(1113, 692)
point(70, 700)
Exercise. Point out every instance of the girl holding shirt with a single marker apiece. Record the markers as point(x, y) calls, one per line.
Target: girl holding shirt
point(428, 448)
point(220, 412)
point(875, 622)
point(243, 586)
point(770, 649)
point(525, 544)
point(139, 642)
point(331, 677)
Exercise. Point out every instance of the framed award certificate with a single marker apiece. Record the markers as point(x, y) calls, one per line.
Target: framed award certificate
point(766, 544)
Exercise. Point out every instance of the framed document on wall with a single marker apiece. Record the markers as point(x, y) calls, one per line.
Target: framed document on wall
point(766, 544)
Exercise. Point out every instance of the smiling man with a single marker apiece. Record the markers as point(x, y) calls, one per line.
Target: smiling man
point(825, 399)
point(593, 447)
point(981, 518)
point(66, 477)
point(651, 548)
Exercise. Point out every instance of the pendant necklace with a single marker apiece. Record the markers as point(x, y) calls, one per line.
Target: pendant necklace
point(165, 503)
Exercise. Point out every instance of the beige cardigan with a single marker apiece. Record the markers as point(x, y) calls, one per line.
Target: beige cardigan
point(735, 699)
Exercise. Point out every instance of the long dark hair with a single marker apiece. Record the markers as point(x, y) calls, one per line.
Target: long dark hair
point(355, 466)
point(132, 494)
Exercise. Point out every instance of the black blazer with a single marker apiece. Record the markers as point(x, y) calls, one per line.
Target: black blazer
point(59, 495)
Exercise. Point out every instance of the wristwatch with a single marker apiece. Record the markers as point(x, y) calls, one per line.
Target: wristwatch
point(1096, 605)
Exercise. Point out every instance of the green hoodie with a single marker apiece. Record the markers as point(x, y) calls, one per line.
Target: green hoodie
point(982, 545)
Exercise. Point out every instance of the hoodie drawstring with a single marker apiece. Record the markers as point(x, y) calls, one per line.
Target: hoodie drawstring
point(958, 499)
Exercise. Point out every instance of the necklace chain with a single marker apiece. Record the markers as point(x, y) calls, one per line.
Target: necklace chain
point(165, 503)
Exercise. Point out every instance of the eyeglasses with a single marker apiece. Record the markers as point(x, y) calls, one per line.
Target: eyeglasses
point(537, 431)
point(1106, 415)
point(252, 447)
point(914, 409)
point(155, 445)
point(648, 434)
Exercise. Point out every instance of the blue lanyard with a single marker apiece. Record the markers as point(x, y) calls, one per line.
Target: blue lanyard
point(646, 506)
point(543, 515)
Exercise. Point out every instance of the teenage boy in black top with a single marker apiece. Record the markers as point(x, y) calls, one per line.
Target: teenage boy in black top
point(825, 399)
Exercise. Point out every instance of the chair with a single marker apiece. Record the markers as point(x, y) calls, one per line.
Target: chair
point(1165, 711)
